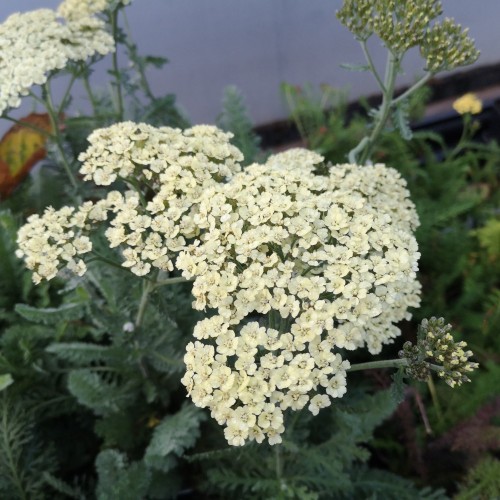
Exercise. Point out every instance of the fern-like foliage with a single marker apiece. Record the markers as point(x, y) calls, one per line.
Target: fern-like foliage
point(117, 478)
point(23, 460)
point(482, 482)
point(320, 458)
point(234, 118)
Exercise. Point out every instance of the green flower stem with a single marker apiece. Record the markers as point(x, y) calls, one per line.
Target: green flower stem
point(385, 108)
point(388, 363)
point(361, 153)
point(172, 281)
point(278, 464)
point(56, 136)
point(110, 262)
point(118, 83)
point(132, 49)
point(467, 133)
point(29, 125)
point(413, 88)
point(90, 94)
point(384, 363)
point(373, 69)
point(435, 399)
point(147, 288)
point(62, 105)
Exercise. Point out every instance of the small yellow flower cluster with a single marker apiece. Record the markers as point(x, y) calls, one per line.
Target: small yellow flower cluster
point(35, 43)
point(468, 103)
point(330, 261)
point(178, 166)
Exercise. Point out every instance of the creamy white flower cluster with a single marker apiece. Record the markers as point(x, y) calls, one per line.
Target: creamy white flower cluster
point(76, 9)
point(169, 169)
point(293, 265)
point(35, 43)
point(46, 242)
point(330, 261)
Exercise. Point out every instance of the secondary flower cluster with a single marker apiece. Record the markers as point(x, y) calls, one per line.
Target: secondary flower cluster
point(172, 168)
point(36, 43)
point(292, 265)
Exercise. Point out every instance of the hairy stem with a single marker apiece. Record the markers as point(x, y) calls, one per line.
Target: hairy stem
point(413, 88)
point(172, 281)
point(147, 288)
point(90, 93)
point(29, 125)
point(278, 464)
point(384, 363)
point(388, 363)
point(56, 136)
point(435, 399)
point(385, 108)
point(373, 69)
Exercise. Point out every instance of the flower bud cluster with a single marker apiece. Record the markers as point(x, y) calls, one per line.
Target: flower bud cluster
point(398, 23)
point(36, 43)
point(329, 260)
point(447, 46)
point(402, 25)
point(435, 344)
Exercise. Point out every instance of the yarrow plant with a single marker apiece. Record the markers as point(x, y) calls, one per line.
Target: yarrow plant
point(294, 262)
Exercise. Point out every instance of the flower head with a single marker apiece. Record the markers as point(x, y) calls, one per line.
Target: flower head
point(294, 265)
point(34, 44)
point(468, 103)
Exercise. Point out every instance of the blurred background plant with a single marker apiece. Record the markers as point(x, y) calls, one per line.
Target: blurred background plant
point(92, 405)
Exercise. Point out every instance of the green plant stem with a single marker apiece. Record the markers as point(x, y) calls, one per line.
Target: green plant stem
point(465, 136)
point(413, 88)
point(91, 96)
point(172, 281)
point(385, 108)
point(147, 288)
point(56, 135)
point(278, 464)
point(29, 125)
point(110, 262)
point(388, 363)
point(62, 105)
point(132, 48)
point(116, 72)
point(435, 399)
point(373, 69)
point(384, 363)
